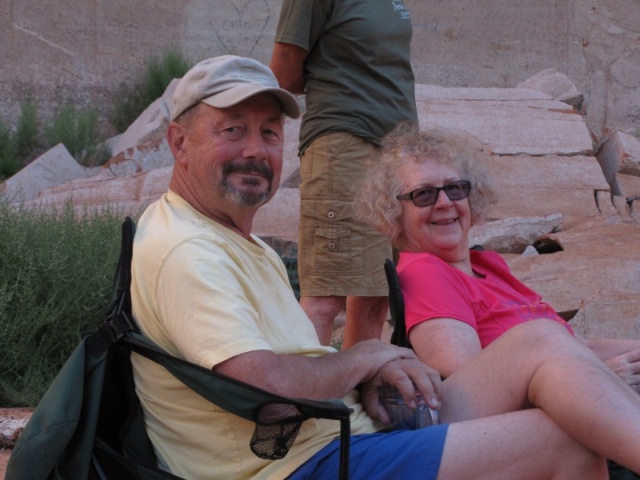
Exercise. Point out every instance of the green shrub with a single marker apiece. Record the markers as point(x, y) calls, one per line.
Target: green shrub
point(16, 147)
point(26, 137)
point(133, 100)
point(161, 72)
point(291, 264)
point(56, 271)
point(9, 163)
point(79, 131)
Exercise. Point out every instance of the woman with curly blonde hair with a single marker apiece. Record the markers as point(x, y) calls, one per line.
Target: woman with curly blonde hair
point(464, 308)
point(376, 202)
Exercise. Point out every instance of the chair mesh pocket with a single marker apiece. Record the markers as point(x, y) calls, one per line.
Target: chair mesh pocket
point(277, 425)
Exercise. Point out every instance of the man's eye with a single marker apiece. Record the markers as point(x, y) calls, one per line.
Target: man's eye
point(233, 132)
point(272, 135)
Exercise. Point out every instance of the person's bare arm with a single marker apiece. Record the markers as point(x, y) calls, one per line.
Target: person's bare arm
point(332, 375)
point(620, 355)
point(444, 343)
point(607, 348)
point(287, 64)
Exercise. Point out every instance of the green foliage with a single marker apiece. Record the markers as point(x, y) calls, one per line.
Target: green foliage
point(26, 137)
point(336, 342)
point(9, 163)
point(56, 272)
point(161, 72)
point(132, 101)
point(79, 131)
point(16, 147)
point(291, 263)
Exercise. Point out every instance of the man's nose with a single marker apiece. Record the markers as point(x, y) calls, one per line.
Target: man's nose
point(255, 147)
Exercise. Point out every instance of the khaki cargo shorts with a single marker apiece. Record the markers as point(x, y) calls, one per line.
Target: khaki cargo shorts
point(336, 255)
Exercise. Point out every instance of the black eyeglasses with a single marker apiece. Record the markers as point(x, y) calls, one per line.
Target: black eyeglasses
point(426, 196)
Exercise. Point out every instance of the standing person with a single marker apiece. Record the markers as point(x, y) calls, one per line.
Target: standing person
point(207, 290)
point(352, 60)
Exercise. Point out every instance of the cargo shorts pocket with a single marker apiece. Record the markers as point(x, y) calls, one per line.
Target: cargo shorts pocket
point(330, 243)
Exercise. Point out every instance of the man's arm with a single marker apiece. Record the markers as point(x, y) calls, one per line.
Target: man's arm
point(333, 375)
point(287, 64)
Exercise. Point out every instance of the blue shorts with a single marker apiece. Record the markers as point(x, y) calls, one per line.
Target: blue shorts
point(384, 456)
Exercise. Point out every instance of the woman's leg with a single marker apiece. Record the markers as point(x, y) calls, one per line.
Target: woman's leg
point(517, 445)
point(539, 364)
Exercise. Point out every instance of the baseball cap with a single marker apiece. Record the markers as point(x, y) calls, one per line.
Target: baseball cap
point(226, 81)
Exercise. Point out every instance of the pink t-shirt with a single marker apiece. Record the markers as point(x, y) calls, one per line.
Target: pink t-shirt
point(491, 303)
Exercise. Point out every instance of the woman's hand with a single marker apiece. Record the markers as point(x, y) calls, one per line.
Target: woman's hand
point(627, 366)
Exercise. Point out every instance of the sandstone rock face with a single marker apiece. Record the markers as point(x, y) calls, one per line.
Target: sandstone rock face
point(620, 155)
point(594, 277)
point(85, 51)
point(564, 219)
point(511, 121)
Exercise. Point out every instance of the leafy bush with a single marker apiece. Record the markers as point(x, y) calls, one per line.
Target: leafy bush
point(161, 72)
point(26, 137)
point(291, 264)
point(79, 131)
point(132, 101)
point(9, 163)
point(56, 271)
point(16, 147)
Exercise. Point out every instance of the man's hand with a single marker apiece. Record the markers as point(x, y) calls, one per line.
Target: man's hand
point(403, 374)
point(627, 366)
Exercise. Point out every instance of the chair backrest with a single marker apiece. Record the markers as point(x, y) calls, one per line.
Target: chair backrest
point(396, 306)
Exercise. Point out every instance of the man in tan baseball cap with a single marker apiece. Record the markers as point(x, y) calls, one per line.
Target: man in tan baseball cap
point(198, 272)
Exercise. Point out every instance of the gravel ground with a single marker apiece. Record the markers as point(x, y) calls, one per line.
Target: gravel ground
point(6, 416)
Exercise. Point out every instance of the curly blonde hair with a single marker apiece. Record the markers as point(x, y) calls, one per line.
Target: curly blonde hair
point(376, 202)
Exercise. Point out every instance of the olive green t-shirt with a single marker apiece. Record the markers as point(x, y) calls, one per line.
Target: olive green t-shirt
point(358, 75)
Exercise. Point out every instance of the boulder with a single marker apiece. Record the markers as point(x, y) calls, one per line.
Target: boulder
point(556, 85)
point(620, 155)
point(515, 234)
point(529, 186)
point(53, 168)
point(593, 278)
point(511, 121)
point(151, 125)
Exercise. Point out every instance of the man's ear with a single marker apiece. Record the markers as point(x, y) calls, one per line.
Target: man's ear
point(176, 137)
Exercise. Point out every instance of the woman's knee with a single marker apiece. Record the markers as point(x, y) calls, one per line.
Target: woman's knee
point(536, 335)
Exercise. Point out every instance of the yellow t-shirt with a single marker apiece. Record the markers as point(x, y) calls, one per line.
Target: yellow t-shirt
point(206, 294)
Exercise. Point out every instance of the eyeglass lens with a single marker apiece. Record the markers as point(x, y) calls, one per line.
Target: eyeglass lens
point(423, 197)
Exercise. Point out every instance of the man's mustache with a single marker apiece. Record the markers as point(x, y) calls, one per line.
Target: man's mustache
point(249, 167)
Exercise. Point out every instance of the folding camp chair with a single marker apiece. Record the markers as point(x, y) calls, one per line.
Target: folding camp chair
point(90, 425)
point(396, 306)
